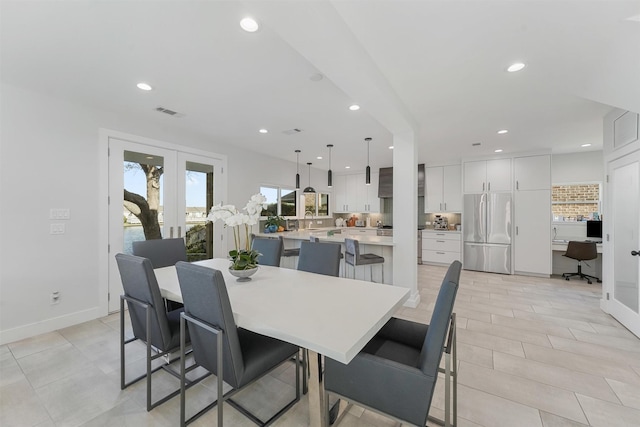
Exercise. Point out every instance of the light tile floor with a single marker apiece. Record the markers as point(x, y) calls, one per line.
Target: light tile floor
point(532, 352)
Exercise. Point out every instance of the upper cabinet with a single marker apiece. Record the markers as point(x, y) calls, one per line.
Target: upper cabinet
point(351, 194)
point(532, 173)
point(487, 175)
point(443, 189)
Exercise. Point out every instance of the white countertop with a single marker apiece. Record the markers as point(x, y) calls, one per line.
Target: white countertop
point(322, 234)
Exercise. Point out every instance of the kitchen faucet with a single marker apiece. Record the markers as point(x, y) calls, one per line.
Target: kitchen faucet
point(311, 220)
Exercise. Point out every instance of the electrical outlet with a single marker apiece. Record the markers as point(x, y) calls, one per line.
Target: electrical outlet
point(55, 297)
point(57, 229)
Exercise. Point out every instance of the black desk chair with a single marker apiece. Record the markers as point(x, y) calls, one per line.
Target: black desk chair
point(581, 251)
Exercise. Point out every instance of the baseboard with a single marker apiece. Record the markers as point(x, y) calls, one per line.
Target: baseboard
point(37, 328)
point(413, 300)
point(527, 273)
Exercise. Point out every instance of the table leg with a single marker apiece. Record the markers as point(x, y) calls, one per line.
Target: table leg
point(317, 416)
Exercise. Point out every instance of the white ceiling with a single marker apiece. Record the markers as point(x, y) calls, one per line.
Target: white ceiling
point(437, 67)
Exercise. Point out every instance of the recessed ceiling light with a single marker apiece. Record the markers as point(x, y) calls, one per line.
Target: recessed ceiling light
point(499, 150)
point(263, 131)
point(347, 167)
point(319, 157)
point(502, 131)
point(149, 157)
point(515, 67)
point(586, 145)
point(250, 25)
point(144, 86)
point(391, 147)
point(635, 18)
point(354, 107)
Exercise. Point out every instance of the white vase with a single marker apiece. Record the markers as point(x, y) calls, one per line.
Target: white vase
point(243, 275)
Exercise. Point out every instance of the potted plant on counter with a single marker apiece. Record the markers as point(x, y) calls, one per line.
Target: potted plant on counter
point(273, 224)
point(244, 260)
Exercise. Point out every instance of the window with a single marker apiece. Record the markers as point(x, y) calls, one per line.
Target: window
point(317, 204)
point(575, 202)
point(280, 201)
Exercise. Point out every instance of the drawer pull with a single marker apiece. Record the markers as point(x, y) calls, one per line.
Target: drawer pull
point(440, 241)
point(440, 253)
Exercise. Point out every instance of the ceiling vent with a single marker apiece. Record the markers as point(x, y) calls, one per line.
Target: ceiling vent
point(169, 112)
point(292, 131)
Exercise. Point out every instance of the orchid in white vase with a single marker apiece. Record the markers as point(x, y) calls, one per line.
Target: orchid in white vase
point(242, 258)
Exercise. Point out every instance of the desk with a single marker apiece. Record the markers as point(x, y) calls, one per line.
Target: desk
point(561, 264)
point(327, 315)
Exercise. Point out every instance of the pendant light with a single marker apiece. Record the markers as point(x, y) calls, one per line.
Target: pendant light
point(309, 189)
point(368, 173)
point(329, 174)
point(297, 169)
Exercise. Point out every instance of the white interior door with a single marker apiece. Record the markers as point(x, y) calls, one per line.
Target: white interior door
point(172, 189)
point(624, 217)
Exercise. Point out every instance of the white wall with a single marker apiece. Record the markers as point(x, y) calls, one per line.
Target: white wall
point(577, 167)
point(49, 158)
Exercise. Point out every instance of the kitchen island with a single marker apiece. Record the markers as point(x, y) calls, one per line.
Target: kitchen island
point(369, 243)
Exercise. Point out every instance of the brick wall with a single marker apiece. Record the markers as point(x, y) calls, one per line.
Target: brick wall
point(585, 196)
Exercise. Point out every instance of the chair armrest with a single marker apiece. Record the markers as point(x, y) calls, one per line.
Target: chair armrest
point(399, 390)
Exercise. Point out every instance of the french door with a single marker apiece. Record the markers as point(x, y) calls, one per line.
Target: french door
point(158, 192)
point(624, 218)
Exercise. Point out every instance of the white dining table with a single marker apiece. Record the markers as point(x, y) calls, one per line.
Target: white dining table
point(327, 315)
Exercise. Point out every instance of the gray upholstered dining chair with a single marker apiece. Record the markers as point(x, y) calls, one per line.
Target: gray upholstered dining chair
point(321, 258)
point(270, 250)
point(396, 372)
point(151, 323)
point(161, 252)
point(353, 257)
point(246, 355)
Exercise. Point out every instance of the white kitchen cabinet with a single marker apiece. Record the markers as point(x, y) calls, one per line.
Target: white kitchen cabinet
point(440, 247)
point(340, 196)
point(532, 233)
point(487, 175)
point(532, 172)
point(443, 189)
point(351, 194)
point(360, 231)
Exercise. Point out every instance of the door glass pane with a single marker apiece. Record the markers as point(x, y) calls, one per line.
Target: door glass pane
point(288, 202)
point(626, 212)
point(199, 197)
point(143, 188)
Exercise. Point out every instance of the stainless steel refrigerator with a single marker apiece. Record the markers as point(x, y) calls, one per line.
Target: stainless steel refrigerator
point(486, 220)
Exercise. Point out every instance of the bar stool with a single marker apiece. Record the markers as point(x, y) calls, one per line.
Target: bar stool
point(289, 252)
point(352, 256)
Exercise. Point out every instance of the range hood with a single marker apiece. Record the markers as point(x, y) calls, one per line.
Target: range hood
point(385, 183)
